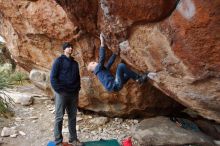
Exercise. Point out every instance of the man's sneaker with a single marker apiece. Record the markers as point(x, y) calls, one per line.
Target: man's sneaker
point(142, 78)
point(76, 143)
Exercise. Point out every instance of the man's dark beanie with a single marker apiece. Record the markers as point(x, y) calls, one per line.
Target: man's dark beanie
point(66, 45)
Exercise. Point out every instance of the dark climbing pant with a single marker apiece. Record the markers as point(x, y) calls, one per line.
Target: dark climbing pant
point(69, 103)
point(123, 74)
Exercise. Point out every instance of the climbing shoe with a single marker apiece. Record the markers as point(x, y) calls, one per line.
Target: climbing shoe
point(142, 78)
point(152, 75)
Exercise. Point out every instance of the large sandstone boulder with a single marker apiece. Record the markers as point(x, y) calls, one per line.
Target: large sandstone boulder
point(41, 80)
point(161, 131)
point(178, 39)
point(34, 31)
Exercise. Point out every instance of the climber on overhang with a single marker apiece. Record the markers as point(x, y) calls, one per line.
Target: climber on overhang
point(123, 74)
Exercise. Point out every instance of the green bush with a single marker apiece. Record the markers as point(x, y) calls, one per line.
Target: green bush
point(18, 77)
point(4, 80)
point(7, 80)
point(5, 101)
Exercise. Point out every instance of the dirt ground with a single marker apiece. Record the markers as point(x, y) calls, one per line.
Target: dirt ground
point(37, 120)
point(38, 131)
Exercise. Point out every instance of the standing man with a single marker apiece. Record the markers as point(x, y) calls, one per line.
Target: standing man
point(65, 80)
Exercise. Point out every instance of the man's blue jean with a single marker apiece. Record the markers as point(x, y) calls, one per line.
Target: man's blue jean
point(123, 74)
point(69, 103)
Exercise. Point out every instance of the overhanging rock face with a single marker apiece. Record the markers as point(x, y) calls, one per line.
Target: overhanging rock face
point(177, 39)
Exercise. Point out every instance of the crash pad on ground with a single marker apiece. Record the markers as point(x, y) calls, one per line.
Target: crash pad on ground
point(112, 142)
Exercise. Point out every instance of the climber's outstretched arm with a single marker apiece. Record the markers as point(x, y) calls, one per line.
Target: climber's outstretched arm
point(102, 50)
